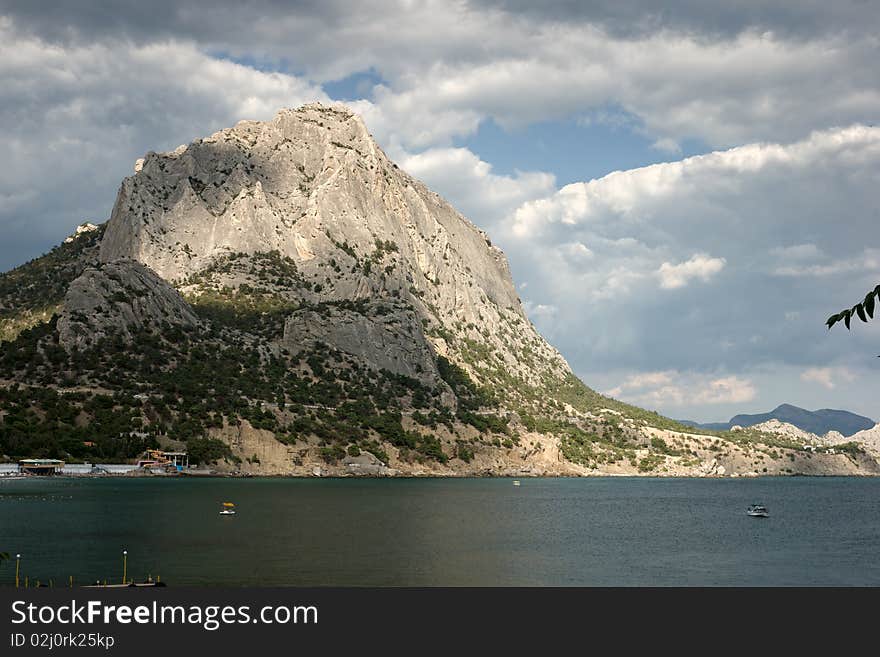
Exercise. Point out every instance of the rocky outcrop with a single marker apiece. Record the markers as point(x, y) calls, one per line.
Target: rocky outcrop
point(367, 465)
point(313, 186)
point(82, 229)
point(119, 298)
point(303, 184)
point(381, 336)
point(869, 439)
point(32, 294)
point(254, 451)
point(788, 430)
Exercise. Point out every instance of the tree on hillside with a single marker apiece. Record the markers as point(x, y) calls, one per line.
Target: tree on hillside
point(864, 310)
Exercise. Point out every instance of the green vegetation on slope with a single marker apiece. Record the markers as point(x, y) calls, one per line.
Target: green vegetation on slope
point(113, 401)
point(181, 385)
point(32, 293)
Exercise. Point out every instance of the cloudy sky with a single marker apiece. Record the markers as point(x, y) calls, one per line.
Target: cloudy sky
point(685, 193)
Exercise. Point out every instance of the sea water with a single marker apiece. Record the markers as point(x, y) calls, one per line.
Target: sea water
point(444, 532)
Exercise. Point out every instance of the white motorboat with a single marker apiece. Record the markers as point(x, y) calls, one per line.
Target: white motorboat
point(758, 511)
point(228, 509)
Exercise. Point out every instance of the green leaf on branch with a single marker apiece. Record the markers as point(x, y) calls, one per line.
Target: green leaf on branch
point(863, 310)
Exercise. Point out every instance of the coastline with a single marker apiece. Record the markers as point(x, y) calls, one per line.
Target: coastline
point(463, 475)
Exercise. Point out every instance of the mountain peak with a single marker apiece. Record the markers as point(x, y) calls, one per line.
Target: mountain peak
point(312, 185)
point(311, 189)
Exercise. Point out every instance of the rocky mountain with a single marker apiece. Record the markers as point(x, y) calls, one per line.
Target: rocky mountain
point(815, 422)
point(280, 298)
point(120, 298)
point(32, 293)
point(786, 429)
point(868, 439)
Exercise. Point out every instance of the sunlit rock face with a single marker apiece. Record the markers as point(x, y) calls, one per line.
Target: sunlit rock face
point(314, 187)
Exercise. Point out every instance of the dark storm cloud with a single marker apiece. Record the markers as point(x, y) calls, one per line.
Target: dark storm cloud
point(220, 23)
point(325, 40)
point(804, 19)
point(141, 21)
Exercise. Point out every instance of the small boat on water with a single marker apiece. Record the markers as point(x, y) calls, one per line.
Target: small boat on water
point(228, 509)
point(758, 511)
point(516, 482)
point(148, 583)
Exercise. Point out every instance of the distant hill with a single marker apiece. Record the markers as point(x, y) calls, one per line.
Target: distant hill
point(818, 422)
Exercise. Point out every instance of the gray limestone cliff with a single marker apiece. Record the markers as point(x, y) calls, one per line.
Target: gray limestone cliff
point(119, 298)
point(312, 186)
point(381, 338)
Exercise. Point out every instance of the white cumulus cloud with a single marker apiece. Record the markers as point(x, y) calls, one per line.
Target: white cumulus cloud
point(674, 389)
point(478, 192)
point(829, 377)
point(699, 266)
point(762, 223)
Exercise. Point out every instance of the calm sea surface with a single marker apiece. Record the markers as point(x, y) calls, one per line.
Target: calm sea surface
point(427, 532)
